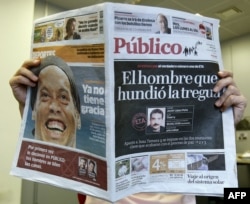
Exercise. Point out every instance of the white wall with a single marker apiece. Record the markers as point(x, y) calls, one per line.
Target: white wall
point(236, 57)
point(16, 24)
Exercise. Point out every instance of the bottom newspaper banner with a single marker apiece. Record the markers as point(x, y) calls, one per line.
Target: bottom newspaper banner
point(60, 162)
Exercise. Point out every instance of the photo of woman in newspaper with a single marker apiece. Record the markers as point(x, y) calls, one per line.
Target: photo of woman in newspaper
point(55, 103)
point(92, 170)
point(71, 34)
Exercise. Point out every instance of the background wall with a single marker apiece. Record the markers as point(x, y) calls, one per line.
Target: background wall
point(16, 24)
point(235, 54)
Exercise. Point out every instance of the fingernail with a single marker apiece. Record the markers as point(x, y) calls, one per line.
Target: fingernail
point(36, 60)
point(215, 89)
point(217, 103)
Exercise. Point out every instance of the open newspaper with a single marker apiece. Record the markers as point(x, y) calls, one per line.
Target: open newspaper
point(148, 120)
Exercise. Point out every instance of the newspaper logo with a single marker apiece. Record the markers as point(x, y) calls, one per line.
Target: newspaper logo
point(139, 121)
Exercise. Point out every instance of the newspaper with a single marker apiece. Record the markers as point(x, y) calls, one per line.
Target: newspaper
point(125, 69)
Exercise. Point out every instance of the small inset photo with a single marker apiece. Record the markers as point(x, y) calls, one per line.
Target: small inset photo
point(206, 161)
point(139, 164)
point(156, 120)
point(92, 169)
point(122, 168)
point(82, 166)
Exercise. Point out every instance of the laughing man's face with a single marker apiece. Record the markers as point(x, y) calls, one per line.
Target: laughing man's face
point(55, 114)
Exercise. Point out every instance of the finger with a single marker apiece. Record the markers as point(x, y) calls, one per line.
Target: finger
point(222, 83)
point(229, 92)
point(225, 73)
point(31, 63)
point(27, 73)
point(241, 103)
point(23, 77)
point(27, 65)
point(25, 69)
point(232, 100)
point(21, 80)
point(238, 103)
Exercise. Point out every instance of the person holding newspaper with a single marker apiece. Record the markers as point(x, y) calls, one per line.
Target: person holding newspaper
point(232, 97)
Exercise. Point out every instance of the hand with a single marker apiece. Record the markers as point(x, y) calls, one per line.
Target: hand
point(21, 80)
point(231, 96)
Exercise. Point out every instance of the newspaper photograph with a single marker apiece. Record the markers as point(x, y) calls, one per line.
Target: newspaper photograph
point(125, 104)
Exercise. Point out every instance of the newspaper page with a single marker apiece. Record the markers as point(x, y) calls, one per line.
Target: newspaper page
point(147, 120)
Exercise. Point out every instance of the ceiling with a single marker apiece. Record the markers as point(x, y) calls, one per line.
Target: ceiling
point(233, 23)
